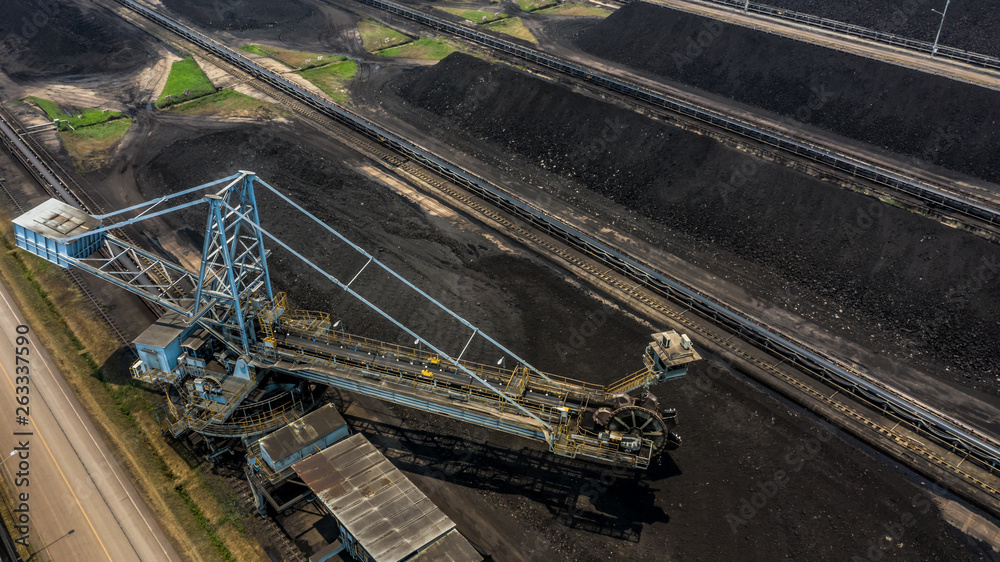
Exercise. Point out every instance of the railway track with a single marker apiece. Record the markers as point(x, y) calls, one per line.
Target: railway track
point(638, 294)
point(946, 431)
point(923, 47)
point(76, 279)
point(977, 212)
point(52, 182)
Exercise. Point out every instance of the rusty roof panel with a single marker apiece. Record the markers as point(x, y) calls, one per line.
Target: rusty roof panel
point(452, 547)
point(373, 500)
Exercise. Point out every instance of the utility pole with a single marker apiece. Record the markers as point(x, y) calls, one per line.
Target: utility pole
point(37, 552)
point(941, 25)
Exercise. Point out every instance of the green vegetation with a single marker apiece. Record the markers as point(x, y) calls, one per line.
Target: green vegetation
point(476, 16)
point(577, 9)
point(185, 82)
point(89, 135)
point(72, 117)
point(299, 60)
point(333, 78)
point(428, 49)
point(376, 36)
point(228, 103)
point(513, 27)
point(190, 504)
point(532, 5)
point(91, 147)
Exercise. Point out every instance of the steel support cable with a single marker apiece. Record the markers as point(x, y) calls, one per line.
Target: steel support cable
point(827, 367)
point(386, 268)
point(397, 323)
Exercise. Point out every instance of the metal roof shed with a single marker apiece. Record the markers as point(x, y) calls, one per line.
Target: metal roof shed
point(382, 515)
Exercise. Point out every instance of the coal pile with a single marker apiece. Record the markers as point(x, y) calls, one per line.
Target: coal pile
point(971, 25)
point(243, 15)
point(692, 507)
point(922, 116)
point(49, 38)
point(875, 271)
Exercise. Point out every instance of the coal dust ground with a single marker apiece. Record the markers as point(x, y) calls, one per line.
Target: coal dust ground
point(877, 274)
point(921, 116)
point(970, 25)
point(57, 39)
point(743, 448)
point(242, 15)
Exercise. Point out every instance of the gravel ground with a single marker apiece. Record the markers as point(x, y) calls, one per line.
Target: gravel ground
point(41, 39)
point(921, 116)
point(244, 15)
point(877, 274)
point(970, 24)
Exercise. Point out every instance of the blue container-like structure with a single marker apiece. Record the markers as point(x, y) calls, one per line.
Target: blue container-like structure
point(57, 232)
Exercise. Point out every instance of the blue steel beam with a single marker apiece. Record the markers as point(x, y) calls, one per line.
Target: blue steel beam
point(397, 323)
point(979, 446)
point(372, 259)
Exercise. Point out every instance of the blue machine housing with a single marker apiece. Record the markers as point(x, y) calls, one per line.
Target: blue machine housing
point(57, 232)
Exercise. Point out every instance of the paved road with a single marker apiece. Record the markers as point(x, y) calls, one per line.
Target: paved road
point(74, 481)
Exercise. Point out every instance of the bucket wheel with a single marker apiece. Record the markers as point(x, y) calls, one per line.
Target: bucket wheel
point(643, 423)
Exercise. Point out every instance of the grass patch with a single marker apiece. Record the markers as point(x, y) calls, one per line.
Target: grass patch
point(299, 60)
point(91, 147)
point(229, 103)
point(577, 9)
point(532, 5)
point(186, 81)
point(333, 78)
point(376, 36)
point(513, 27)
point(74, 117)
point(428, 49)
point(86, 354)
point(476, 16)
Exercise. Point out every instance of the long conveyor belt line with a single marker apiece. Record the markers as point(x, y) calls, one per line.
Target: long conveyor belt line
point(692, 326)
point(939, 426)
point(59, 184)
point(979, 448)
point(964, 204)
point(925, 47)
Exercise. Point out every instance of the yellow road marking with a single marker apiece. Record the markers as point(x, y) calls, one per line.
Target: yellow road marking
point(39, 434)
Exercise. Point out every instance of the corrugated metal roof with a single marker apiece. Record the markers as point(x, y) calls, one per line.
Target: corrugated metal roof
point(452, 547)
point(373, 500)
point(302, 433)
point(57, 220)
point(164, 331)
